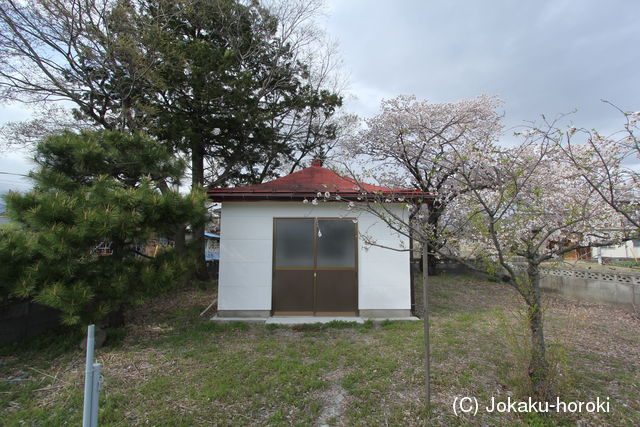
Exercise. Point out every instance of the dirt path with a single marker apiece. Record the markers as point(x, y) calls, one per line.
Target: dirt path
point(334, 400)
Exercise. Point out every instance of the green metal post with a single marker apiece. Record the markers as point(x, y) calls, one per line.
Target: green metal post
point(88, 379)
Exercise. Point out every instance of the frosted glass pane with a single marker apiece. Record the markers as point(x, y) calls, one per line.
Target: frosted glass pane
point(294, 243)
point(336, 243)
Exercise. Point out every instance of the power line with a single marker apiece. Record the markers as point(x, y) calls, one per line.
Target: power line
point(12, 173)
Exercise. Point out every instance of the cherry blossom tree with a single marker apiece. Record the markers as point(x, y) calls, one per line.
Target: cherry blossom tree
point(609, 164)
point(417, 144)
point(522, 206)
point(535, 207)
point(501, 212)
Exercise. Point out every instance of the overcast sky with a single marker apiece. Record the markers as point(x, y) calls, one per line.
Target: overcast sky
point(540, 57)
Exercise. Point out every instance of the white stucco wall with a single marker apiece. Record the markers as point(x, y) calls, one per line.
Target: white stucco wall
point(246, 246)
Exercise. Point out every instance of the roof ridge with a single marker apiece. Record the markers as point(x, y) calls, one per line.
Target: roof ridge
point(308, 182)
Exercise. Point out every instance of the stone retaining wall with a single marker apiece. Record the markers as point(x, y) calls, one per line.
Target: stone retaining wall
point(599, 286)
point(20, 320)
point(610, 287)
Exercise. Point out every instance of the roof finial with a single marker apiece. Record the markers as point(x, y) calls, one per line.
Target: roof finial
point(316, 162)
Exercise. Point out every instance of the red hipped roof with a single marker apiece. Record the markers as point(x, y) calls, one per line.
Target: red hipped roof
point(307, 183)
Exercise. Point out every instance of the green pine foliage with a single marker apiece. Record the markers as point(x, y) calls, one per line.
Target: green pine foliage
point(89, 188)
point(230, 88)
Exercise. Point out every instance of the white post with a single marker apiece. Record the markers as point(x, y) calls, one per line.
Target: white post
point(88, 379)
point(95, 394)
point(425, 303)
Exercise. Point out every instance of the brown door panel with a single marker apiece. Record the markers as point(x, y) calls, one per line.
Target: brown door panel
point(336, 291)
point(293, 291)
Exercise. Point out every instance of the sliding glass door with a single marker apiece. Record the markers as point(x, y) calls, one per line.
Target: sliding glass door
point(315, 267)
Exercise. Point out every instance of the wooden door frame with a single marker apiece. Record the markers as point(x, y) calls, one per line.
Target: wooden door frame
point(315, 267)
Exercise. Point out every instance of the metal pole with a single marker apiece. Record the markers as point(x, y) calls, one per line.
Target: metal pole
point(88, 379)
point(425, 315)
point(95, 395)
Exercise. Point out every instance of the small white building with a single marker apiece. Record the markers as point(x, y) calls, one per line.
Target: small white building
point(280, 255)
point(627, 250)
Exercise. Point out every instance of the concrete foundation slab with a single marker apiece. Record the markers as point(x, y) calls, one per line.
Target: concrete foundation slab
point(302, 320)
point(238, 319)
point(381, 314)
point(400, 319)
point(258, 314)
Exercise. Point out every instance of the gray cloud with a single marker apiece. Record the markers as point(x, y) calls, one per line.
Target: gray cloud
point(540, 57)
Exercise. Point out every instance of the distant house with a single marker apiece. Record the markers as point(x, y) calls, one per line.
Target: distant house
point(286, 249)
point(580, 254)
point(149, 248)
point(628, 250)
point(212, 247)
point(3, 218)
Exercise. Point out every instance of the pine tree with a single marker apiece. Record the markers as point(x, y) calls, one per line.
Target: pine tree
point(92, 188)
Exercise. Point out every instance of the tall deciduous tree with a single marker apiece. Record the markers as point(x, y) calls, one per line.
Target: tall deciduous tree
point(93, 188)
point(84, 52)
point(313, 132)
point(221, 81)
point(422, 145)
point(261, 70)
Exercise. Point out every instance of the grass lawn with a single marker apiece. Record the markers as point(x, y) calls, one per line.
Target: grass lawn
point(8, 225)
point(171, 367)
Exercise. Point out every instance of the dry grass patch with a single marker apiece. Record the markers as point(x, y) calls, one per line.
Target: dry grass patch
point(170, 366)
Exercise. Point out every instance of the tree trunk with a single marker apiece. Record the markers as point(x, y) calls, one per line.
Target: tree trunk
point(115, 319)
point(178, 235)
point(538, 365)
point(179, 239)
point(433, 219)
point(197, 180)
point(432, 262)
